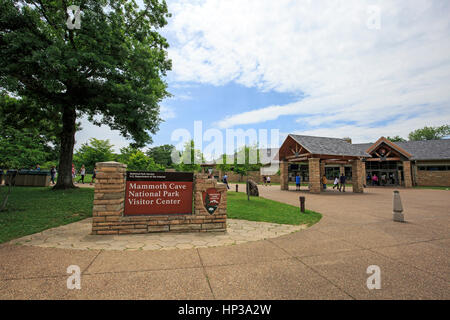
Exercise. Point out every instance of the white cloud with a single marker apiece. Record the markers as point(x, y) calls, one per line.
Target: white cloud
point(167, 113)
point(103, 132)
point(90, 130)
point(325, 50)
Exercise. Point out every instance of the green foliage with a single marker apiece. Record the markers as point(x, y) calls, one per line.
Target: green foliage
point(125, 154)
point(140, 162)
point(94, 151)
point(190, 158)
point(430, 133)
point(49, 164)
point(21, 149)
point(26, 138)
point(246, 159)
point(162, 155)
point(396, 139)
point(226, 165)
point(110, 70)
point(22, 114)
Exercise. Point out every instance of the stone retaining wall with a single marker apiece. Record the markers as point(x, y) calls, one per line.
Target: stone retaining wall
point(109, 200)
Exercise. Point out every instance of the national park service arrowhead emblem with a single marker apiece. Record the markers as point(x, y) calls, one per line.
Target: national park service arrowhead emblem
point(211, 199)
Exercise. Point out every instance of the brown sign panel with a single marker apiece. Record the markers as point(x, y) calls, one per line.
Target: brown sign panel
point(211, 199)
point(158, 193)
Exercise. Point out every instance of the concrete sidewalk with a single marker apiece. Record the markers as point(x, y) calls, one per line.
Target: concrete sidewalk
point(326, 261)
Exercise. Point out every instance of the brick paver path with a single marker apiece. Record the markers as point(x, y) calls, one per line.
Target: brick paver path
point(77, 236)
point(327, 261)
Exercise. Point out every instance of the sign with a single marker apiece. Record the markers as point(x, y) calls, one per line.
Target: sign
point(211, 199)
point(158, 193)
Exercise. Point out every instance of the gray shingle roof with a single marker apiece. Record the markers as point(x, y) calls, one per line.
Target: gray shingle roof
point(421, 150)
point(329, 146)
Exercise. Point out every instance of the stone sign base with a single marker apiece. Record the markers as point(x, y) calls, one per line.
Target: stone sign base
point(109, 200)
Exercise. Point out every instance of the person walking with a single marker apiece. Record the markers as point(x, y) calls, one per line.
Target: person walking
point(53, 174)
point(82, 174)
point(336, 183)
point(324, 182)
point(94, 175)
point(225, 180)
point(297, 182)
point(342, 180)
point(264, 180)
point(268, 181)
point(74, 173)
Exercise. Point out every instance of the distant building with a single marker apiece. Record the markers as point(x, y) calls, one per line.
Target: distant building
point(269, 160)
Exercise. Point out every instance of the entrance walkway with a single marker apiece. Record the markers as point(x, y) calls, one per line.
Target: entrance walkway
point(77, 236)
point(326, 261)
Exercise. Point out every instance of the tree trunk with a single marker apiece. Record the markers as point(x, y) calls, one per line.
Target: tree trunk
point(67, 138)
point(248, 189)
point(11, 182)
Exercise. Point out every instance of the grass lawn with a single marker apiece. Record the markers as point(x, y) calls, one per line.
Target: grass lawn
point(33, 209)
point(87, 178)
point(260, 209)
point(435, 188)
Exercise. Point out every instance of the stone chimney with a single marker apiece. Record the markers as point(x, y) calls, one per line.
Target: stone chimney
point(349, 140)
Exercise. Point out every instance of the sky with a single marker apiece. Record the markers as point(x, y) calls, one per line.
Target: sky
point(336, 68)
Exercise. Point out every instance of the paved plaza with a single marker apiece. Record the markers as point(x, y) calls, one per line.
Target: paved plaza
point(77, 236)
point(326, 261)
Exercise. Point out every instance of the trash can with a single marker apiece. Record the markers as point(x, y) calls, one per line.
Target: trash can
point(21, 178)
point(42, 178)
point(10, 174)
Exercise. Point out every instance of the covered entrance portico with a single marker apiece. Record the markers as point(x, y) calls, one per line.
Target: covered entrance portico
point(389, 163)
point(317, 152)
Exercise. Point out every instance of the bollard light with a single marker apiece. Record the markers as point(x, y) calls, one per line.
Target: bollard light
point(302, 204)
point(398, 208)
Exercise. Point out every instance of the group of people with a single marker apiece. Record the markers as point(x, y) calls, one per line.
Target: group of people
point(339, 182)
point(374, 180)
point(266, 180)
point(83, 174)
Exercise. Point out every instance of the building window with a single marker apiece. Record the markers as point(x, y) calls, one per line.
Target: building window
point(434, 168)
point(331, 172)
point(302, 170)
point(348, 173)
point(383, 165)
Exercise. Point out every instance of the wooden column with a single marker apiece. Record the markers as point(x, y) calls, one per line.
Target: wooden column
point(407, 174)
point(314, 175)
point(357, 173)
point(284, 176)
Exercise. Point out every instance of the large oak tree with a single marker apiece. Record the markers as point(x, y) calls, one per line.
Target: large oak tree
point(110, 70)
